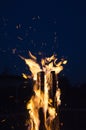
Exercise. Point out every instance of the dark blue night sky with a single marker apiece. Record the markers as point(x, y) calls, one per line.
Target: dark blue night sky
point(43, 26)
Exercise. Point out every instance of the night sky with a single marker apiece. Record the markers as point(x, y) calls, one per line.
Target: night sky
point(43, 27)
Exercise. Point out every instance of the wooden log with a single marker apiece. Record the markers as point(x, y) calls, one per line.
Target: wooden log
point(41, 117)
point(40, 80)
point(52, 87)
point(40, 84)
point(53, 79)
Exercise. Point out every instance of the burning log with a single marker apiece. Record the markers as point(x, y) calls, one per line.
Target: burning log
point(53, 125)
point(54, 88)
point(40, 80)
point(42, 122)
point(40, 84)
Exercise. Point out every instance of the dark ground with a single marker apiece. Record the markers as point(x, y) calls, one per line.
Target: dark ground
point(13, 99)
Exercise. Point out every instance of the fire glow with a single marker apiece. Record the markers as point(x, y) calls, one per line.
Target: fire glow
point(44, 103)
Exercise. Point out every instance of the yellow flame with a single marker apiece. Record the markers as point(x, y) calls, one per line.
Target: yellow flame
point(25, 76)
point(65, 62)
point(42, 99)
point(32, 56)
point(34, 67)
point(58, 93)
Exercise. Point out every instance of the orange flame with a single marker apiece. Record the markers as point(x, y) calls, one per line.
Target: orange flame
point(42, 99)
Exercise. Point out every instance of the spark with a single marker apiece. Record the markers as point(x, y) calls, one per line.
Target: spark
point(55, 33)
point(11, 96)
point(26, 76)
point(65, 62)
point(3, 120)
point(30, 27)
point(24, 87)
point(38, 17)
point(61, 124)
point(34, 18)
point(39, 53)
point(55, 37)
point(18, 26)
point(42, 43)
point(12, 127)
point(14, 50)
point(20, 38)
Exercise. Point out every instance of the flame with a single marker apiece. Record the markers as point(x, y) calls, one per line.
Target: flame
point(42, 98)
point(33, 65)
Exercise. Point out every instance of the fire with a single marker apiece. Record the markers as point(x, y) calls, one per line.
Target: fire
point(46, 96)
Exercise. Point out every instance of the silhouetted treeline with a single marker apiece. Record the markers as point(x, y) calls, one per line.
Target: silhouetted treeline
point(73, 107)
point(72, 96)
point(16, 91)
